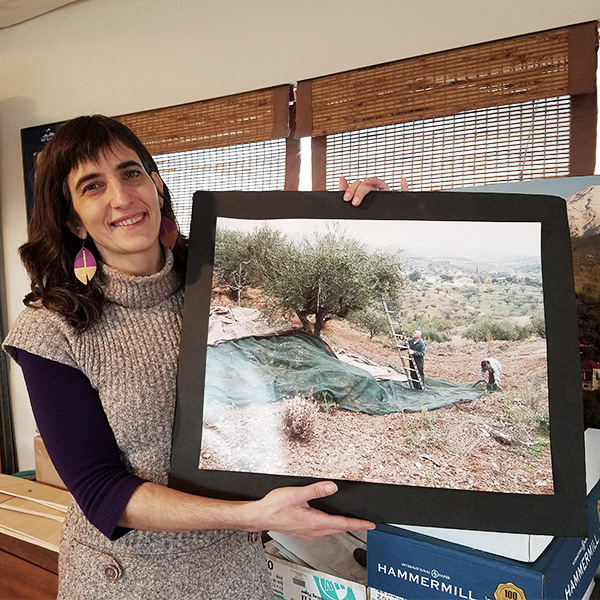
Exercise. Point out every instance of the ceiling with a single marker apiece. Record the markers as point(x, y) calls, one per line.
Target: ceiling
point(17, 11)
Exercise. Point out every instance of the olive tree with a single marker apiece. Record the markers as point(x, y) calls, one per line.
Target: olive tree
point(244, 259)
point(319, 277)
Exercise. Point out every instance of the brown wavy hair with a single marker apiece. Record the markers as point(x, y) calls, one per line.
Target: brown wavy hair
point(49, 253)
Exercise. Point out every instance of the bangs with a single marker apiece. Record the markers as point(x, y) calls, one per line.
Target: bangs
point(85, 139)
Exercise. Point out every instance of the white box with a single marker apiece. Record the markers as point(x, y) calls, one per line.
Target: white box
point(518, 546)
point(333, 554)
point(294, 582)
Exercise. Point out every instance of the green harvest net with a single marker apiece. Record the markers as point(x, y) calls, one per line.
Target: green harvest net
point(269, 369)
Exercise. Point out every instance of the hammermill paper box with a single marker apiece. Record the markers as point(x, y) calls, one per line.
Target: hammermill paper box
point(419, 567)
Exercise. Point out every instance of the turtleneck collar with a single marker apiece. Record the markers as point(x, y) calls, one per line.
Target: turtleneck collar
point(134, 291)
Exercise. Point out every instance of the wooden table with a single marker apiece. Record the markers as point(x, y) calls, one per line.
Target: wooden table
point(31, 517)
point(26, 570)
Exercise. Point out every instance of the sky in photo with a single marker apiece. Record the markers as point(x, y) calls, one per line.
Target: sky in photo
point(443, 238)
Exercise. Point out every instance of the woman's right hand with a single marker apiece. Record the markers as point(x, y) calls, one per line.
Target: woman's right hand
point(286, 510)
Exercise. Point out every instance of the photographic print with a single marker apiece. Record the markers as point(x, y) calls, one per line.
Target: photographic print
point(309, 335)
point(418, 350)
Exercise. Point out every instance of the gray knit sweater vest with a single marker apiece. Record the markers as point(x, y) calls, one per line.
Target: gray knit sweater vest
point(130, 356)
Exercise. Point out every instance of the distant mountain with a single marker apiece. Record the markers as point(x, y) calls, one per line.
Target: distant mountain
point(583, 209)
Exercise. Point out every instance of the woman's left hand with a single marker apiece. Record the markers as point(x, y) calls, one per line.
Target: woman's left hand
point(356, 191)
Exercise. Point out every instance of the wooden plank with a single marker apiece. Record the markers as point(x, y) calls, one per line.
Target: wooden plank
point(36, 530)
point(28, 507)
point(37, 492)
point(44, 558)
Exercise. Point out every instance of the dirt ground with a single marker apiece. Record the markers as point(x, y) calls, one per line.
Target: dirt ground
point(494, 443)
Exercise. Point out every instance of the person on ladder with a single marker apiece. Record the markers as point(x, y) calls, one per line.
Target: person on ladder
point(416, 348)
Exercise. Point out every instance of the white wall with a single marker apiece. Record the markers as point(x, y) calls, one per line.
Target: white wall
point(115, 57)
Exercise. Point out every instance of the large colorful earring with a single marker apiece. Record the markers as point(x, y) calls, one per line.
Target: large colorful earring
point(85, 265)
point(167, 232)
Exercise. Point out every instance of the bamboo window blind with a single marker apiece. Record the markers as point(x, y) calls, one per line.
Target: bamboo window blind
point(509, 110)
point(513, 109)
point(238, 142)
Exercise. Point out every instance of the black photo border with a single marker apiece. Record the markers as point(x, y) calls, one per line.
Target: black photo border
point(561, 513)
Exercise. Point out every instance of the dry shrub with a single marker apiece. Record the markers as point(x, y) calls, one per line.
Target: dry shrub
point(299, 417)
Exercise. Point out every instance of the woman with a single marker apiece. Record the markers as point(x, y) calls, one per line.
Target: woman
point(99, 354)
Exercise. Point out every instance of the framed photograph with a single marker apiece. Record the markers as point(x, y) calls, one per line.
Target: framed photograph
point(33, 141)
point(420, 350)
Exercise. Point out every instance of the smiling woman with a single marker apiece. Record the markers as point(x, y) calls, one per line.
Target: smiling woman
point(100, 361)
point(55, 230)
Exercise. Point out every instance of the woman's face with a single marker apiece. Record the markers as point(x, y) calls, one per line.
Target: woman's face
point(118, 205)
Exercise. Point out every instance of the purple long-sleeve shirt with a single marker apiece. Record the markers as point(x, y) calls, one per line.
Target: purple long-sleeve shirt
point(79, 440)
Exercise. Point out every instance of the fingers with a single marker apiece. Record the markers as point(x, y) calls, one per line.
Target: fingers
point(313, 523)
point(350, 195)
point(377, 184)
point(318, 523)
point(301, 495)
point(356, 192)
point(352, 525)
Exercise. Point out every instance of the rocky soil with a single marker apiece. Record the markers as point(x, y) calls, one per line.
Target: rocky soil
point(495, 443)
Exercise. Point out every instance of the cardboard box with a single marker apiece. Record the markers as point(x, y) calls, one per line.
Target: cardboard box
point(294, 582)
point(414, 566)
point(333, 554)
point(518, 546)
point(44, 469)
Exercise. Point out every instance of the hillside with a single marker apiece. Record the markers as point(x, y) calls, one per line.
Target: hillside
point(459, 289)
point(496, 443)
point(586, 265)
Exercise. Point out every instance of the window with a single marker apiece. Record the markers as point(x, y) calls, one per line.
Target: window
point(239, 142)
point(502, 143)
point(509, 110)
point(243, 167)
